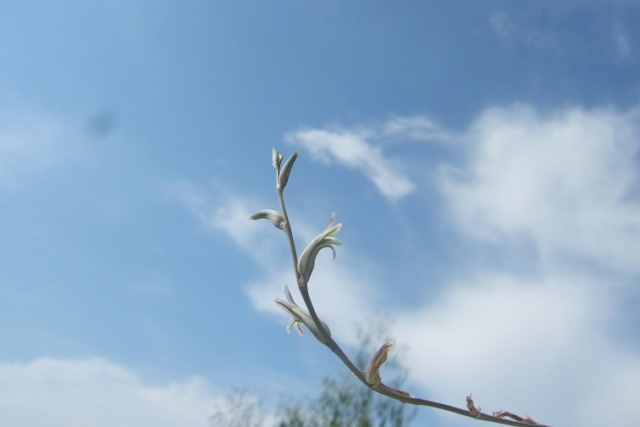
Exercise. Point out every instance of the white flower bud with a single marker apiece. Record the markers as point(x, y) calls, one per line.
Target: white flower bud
point(271, 215)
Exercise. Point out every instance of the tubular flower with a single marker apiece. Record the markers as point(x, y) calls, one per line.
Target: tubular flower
point(325, 239)
point(273, 216)
point(300, 316)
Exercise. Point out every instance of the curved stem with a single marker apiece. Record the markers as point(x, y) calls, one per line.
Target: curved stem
point(337, 350)
point(386, 391)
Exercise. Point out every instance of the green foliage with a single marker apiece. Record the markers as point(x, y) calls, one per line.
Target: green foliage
point(345, 402)
point(238, 408)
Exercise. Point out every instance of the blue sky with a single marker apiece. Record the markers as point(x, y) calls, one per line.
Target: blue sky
point(481, 155)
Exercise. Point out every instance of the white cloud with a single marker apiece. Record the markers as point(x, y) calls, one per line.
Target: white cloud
point(415, 128)
point(539, 344)
point(564, 180)
point(352, 149)
point(227, 213)
point(536, 346)
point(95, 393)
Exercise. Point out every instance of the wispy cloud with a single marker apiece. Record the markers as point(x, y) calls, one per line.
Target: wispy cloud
point(364, 147)
point(353, 149)
point(415, 128)
point(564, 180)
point(97, 392)
point(226, 213)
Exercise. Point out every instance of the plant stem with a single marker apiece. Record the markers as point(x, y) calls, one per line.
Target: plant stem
point(335, 348)
point(287, 230)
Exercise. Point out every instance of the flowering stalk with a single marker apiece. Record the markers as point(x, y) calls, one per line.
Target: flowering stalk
point(303, 268)
point(300, 316)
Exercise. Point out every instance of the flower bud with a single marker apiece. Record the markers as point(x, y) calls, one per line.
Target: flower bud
point(372, 375)
point(271, 215)
point(300, 316)
point(283, 177)
point(276, 158)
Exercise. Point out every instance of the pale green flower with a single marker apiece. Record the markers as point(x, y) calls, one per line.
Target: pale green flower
point(300, 316)
point(326, 239)
point(273, 216)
